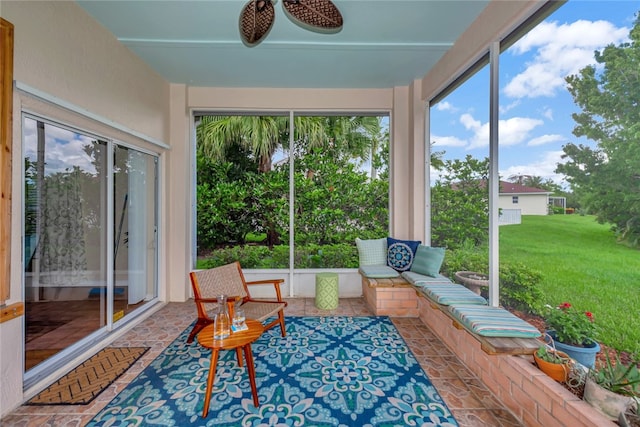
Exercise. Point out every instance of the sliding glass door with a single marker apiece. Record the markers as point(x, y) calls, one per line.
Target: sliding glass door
point(89, 235)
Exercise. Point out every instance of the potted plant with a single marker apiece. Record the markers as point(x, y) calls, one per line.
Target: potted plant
point(552, 362)
point(573, 332)
point(614, 388)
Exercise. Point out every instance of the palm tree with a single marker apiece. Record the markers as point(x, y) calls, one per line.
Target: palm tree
point(262, 135)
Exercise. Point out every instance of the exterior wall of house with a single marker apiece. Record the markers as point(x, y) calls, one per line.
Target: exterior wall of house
point(61, 52)
point(529, 204)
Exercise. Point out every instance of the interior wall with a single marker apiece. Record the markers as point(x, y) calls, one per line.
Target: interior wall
point(62, 52)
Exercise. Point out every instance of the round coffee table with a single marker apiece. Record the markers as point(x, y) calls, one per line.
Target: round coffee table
point(236, 340)
point(472, 280)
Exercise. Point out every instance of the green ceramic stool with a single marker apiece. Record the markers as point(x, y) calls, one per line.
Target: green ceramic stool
point(327, 291)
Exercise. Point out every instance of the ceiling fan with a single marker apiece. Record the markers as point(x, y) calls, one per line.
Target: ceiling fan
point(257, 16)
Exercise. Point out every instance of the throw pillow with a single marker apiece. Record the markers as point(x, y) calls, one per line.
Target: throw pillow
point(400, 253)
point(372, 252)
point(428, 260)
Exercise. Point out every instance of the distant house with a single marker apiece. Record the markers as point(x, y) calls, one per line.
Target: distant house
point(529, 200)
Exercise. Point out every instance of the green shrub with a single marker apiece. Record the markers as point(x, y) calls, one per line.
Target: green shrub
point(556, 210)
point(519, 288)
point(309, 256)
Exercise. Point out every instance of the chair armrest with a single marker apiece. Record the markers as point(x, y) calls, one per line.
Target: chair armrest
point(274, 282)
point(265, 282)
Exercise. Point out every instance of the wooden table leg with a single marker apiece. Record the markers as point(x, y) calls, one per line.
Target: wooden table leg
point(252, 373)
point(210, 378)
point(239, 356)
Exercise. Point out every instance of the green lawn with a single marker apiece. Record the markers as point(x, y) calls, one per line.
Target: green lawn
point(582, 264)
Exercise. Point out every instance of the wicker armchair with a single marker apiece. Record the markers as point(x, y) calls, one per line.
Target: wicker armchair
point(229, 280)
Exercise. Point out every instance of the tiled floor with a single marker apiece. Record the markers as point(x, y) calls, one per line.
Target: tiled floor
point(470, 401)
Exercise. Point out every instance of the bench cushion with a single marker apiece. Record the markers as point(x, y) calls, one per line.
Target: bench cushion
point(378, 271)
point(492, 322)
point(452, 295)
point(418, 279)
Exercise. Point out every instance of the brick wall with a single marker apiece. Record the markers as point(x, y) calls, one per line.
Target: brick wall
point(531, 395)
point(397, 301)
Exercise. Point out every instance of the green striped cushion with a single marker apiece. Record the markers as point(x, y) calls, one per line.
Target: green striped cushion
point(452, 295)
point(493, 322)
point(372, 252)
point(378, 271)
point(428, 260)
point(418, 279)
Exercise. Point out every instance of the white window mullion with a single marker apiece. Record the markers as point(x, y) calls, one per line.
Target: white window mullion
point(110, 270)
point(291, 203)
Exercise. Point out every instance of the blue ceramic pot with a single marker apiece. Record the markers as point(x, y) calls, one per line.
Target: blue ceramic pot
point(586, 356)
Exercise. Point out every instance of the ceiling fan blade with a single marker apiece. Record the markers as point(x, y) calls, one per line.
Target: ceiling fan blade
point(256, 20)
point(314, 15)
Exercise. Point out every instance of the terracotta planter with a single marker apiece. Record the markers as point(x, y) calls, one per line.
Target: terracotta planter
point(607, 402)
point(557, 371)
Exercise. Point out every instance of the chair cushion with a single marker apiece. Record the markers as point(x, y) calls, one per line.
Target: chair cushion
point(428, 260)
point(400, 253)
point(372, 252)
point(378, 271)
point(418, 279)
point(493, 322)
point(452, 294)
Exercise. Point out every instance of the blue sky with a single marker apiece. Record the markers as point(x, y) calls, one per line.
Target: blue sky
point(535, 106)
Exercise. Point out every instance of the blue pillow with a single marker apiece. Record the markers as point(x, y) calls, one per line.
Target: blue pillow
point(400, 253)
point(428, 260)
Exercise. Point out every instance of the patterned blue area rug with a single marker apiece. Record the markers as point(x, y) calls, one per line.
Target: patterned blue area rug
point(327, 371)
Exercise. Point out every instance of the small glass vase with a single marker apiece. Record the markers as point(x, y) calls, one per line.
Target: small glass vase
point(221, 322)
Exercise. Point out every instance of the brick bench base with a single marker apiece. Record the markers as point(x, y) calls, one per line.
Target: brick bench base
point(532, 396)
point(390, 297)
point(529, 393)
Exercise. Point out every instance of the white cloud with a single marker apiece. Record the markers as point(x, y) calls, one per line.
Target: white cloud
point(545, 139)
point(543, 167)
point(63, 148)
point(447, 141)
point(511, 131)
point(547, 113)
point(469, 122)
point(558, 51)
point(445, 106)
point(506, 108)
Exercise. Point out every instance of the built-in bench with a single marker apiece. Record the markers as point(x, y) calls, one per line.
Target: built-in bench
point(503, 364)
point(497, 330)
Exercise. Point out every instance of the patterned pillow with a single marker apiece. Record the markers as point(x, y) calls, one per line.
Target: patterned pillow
point(400, 253)
point(428, 260)
point(372, 252)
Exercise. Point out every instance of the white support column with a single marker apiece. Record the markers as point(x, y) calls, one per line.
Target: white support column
point(427, 175)
point(292, 195)
point(494, 177)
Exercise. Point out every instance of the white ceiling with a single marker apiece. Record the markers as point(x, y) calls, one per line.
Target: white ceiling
point(383, 43)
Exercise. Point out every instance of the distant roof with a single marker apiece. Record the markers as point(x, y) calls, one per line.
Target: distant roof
point(510, 188)
point(515, 188)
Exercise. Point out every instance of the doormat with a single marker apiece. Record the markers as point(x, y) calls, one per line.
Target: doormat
point(88, 380)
